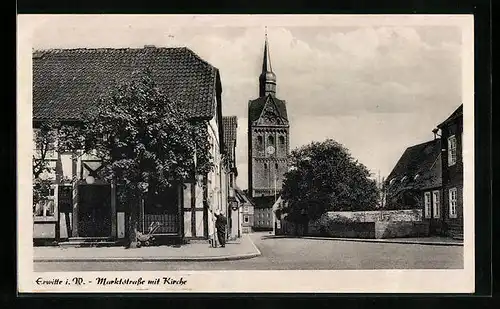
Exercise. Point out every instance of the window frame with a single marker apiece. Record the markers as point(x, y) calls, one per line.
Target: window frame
point(270, 140)
point(452, 203)
point(53, 198)
point(436, 204)
point(452, 150)
point(427, 205)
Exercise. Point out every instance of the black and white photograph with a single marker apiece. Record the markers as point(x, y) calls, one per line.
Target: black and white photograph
point(267, 153)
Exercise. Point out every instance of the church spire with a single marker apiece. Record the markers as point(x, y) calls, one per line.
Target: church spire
point(267, 78)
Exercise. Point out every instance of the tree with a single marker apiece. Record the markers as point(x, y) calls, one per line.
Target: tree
point(44, 139)
point(325, 177)
point(145, 141)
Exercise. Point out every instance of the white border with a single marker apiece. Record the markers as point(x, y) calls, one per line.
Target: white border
point(340, 281)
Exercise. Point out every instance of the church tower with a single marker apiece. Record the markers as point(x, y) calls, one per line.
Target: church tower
point(268, 138)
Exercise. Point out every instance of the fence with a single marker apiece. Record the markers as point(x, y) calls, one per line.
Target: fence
point(169, 223)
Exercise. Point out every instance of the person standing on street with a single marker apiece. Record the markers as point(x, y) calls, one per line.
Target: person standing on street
point(220, 225)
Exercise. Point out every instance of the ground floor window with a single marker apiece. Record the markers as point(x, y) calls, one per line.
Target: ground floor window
point(452, 198)
point(436, 201)
point(46, 208)
point(427, 205)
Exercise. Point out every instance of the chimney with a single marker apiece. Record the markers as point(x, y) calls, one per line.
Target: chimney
point(436, 135)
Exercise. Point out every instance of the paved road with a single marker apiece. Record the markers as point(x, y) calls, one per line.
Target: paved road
point(298, 254)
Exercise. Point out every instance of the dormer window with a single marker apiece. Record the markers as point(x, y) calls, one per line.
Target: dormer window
point(416, 176)
point(404, 178)
point(392, 181)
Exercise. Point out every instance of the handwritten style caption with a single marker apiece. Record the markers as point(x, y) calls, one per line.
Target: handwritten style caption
point(102, 281)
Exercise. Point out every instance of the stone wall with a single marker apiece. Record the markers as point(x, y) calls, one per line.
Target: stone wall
point(347, 230)
point(375, 216)
point(401, 229)
point(370, 224)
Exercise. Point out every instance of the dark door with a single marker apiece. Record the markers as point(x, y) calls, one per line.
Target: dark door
point(94, 211)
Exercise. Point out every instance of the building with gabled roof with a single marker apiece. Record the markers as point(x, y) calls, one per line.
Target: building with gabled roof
point(415, 183)
point(69, 82)
point(247, 211)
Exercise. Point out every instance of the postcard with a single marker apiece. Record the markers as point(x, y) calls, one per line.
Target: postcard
point(245, 153)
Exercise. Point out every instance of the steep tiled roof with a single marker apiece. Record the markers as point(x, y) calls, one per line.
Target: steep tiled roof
point(242, 196)
point(66, 82)
point(230, 123)
point(419, 167)
point(255, 107)
point(457, 113)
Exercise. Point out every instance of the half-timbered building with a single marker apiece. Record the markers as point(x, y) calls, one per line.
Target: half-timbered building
point(81, 207)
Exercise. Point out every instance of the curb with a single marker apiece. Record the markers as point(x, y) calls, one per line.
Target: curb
point(158, 259)
point(254, 246)
point(426, 243)
point(151, 259)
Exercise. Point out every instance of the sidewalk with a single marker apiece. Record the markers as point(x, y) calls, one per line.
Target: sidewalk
point(436, 241)
point(243, 248)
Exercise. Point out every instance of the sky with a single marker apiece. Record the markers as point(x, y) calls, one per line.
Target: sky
point(377, 87)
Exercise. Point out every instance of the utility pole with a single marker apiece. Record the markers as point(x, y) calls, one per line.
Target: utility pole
point(272, 209)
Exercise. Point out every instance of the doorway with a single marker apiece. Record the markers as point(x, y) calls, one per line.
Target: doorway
point(94, 211)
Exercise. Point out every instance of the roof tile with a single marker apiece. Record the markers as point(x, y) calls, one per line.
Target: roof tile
point(66, 82)
point(423, 160)
point(230, 124)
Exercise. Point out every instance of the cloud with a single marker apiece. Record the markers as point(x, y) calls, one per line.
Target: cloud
point(366, 70)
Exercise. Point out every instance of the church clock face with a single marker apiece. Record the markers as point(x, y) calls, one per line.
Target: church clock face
point(270, 150)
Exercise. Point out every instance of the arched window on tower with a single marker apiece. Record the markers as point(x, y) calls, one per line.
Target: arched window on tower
point(265, 166)
point(259, 140)
point(271, 140)
point(282, 140)
point(276, 165)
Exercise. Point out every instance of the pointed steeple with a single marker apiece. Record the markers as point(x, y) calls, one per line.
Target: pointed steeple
point(267, 79)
